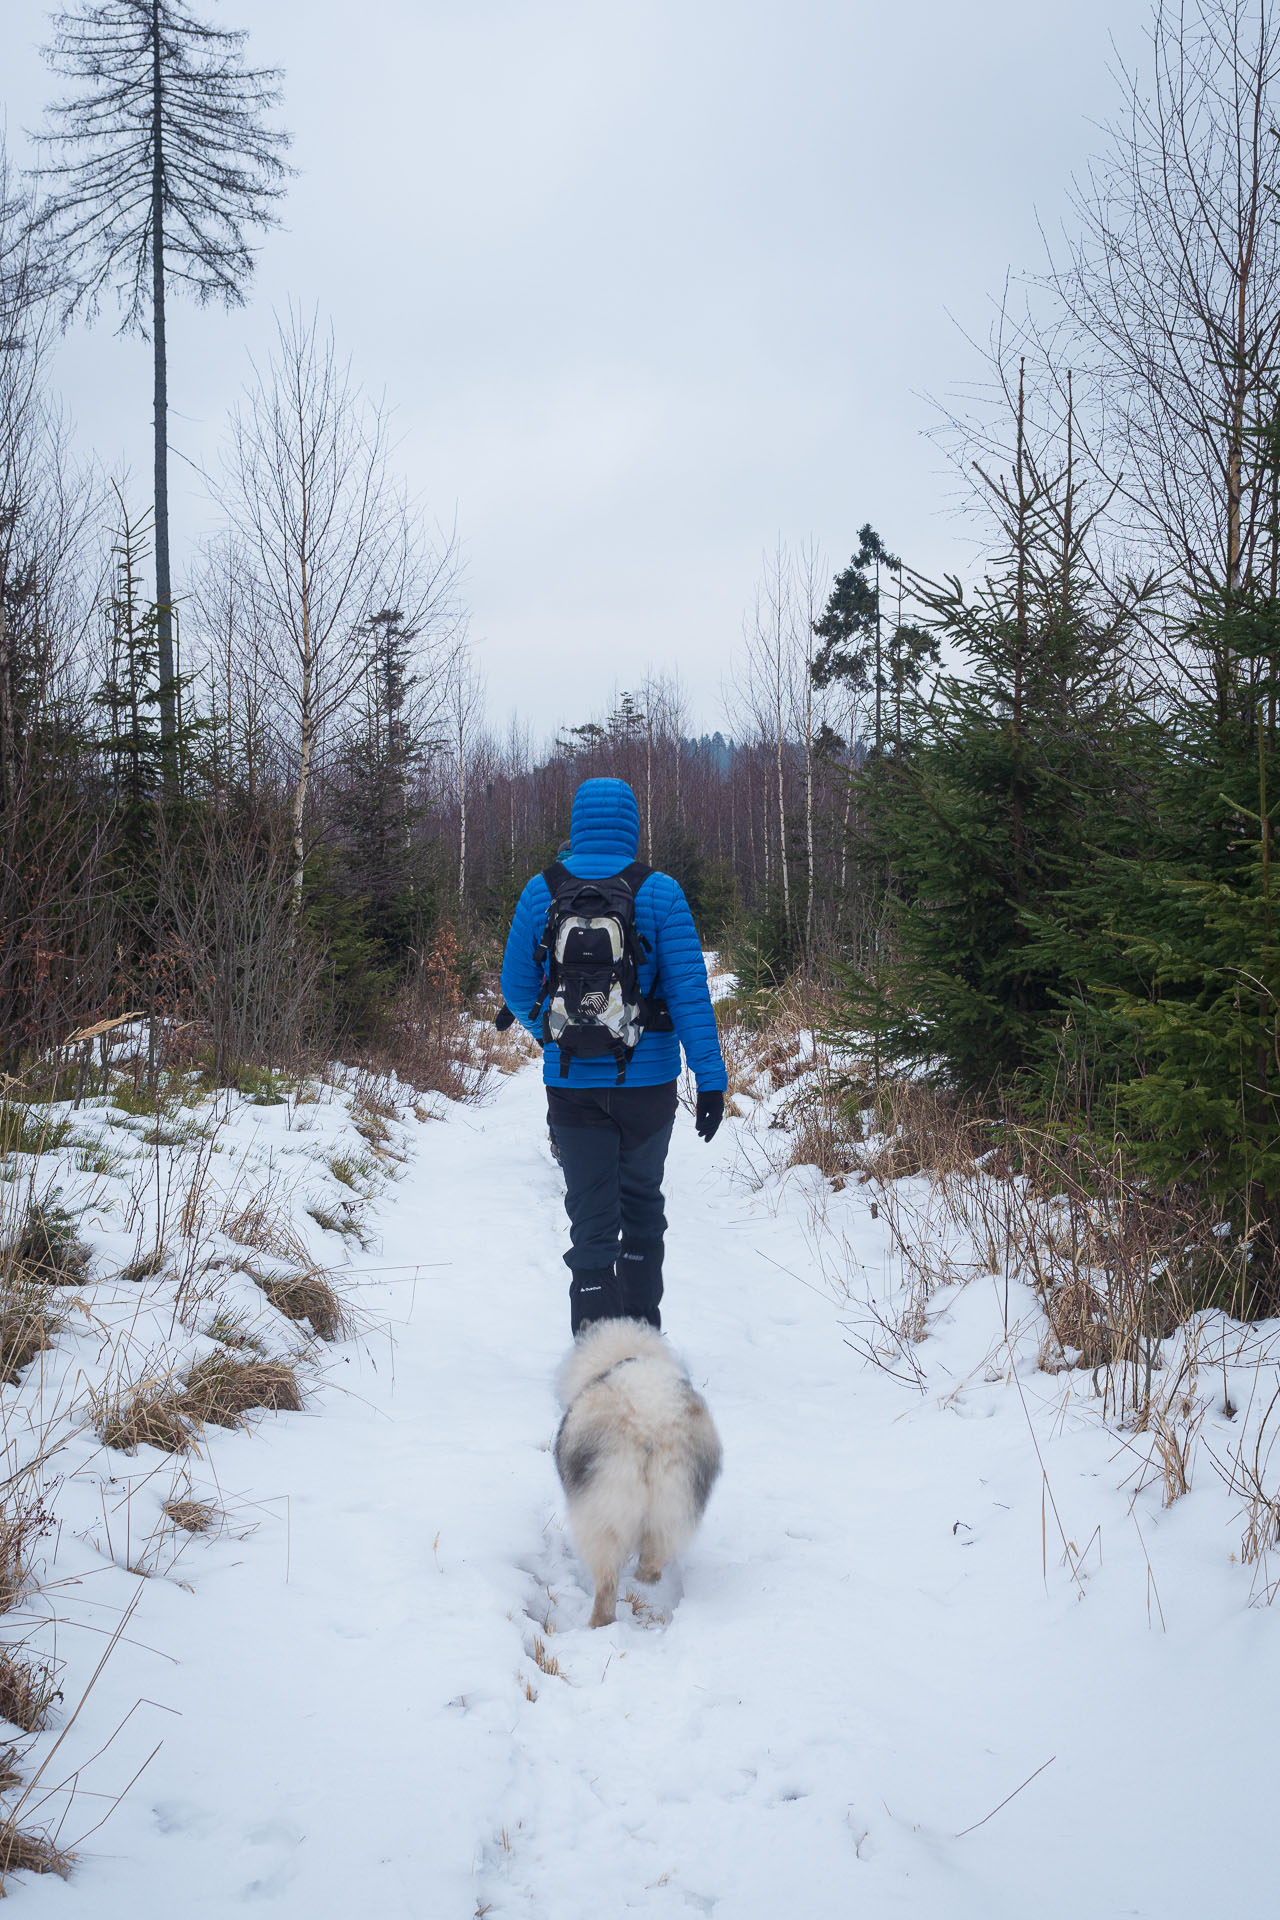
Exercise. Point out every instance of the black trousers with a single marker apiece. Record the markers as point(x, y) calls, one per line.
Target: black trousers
point(613, 1144)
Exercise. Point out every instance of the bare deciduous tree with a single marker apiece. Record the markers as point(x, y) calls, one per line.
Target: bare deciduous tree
point(765, 694)
point(465, 708)
point(320, 529)
point(1172, 289)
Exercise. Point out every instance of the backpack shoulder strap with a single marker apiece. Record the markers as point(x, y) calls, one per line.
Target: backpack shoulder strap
point(635, 875)
point(555, 876)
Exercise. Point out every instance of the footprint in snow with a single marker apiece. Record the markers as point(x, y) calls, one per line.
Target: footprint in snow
point(559, 1592)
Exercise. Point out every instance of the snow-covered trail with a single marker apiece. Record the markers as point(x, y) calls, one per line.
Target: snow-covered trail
point(860, 1658)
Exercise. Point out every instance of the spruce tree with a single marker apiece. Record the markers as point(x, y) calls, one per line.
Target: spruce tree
point(1013, 784)
point(1179, 1012)
point(129, 698)
point(165, 166)
point(374, 804)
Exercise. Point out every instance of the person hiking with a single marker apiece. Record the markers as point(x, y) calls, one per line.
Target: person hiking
point(604, 968)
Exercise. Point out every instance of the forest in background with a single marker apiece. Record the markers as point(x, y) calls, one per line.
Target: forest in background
point(1012, 832)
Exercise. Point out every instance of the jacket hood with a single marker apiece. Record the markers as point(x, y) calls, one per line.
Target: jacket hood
point(605, 823)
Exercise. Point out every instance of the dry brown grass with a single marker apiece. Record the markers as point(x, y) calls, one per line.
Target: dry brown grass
point(346, 1220)
point(784, 1060)
point(264, 1223)
point(27, 1326)
point(146, 1266)
point(373, 1112)
point(546, 1661)
point(221, 1389)
point(149, 1414)
point(22, 1852)
point(373, 1100)
point(741, 1051)
point(429, 1039)
point(308, 1296)
point(1173, 1419)
point(23, 1521)
point(823, 1126)
point(10, 1776)
point(1117, 1264)
point(193, 1516)
point(494, 1052)
point(27, 1691)
point(919, 1130)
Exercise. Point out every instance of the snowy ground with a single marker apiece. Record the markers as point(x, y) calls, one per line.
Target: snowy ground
point(377, 1694)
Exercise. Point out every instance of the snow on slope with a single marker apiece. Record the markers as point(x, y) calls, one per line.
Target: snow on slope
point(383, 1698)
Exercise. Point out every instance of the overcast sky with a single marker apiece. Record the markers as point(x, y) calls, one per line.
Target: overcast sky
point(646, 285)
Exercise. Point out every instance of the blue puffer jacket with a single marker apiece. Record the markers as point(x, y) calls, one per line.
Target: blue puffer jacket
point(604, 837)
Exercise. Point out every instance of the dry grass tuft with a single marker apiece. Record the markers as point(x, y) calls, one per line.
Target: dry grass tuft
point(233, 1330)
point(547, 1661)
point(1077, 1317)
point(346, 1219)
point(150, 1414)
point(26, 1326)
point(372, 1113)
point(10, 1777)
point(919, 1130)
point(220, 1390)
point(741, 1050)
point(372, 1101)
point(494, 1052)
point(1173, 1423)
point(193, 1516)
point(265, 1223)
point(825, 1131)
point(146, 1266)
point(308, 1296)
point(27, 1691)
point(30, 1853)
point(22, 1523)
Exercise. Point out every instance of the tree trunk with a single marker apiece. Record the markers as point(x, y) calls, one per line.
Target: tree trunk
point(809, 849)
point(8, 728)
point(164, 587)
point(648, 784)
point(462, 823)
point(306, 744)
point(782, 819)
point(879, 741)
point(848, 807)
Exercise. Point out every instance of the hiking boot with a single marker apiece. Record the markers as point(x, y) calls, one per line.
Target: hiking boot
point(594, 1294)
point(639, 1271)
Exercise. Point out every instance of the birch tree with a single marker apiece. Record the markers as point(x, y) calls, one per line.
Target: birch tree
point(767, 691)
point(464, 704)
point(307, 491)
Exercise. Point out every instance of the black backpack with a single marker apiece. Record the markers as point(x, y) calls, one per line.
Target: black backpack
point(591, 1003)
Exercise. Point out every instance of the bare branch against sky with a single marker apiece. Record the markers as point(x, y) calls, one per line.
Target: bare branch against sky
point(644, 287)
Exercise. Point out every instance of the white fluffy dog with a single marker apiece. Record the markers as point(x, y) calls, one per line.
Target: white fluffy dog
point(637, 1454)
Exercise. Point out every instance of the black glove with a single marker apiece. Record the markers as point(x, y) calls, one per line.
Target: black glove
point(504, 1018)
point(708, 1115)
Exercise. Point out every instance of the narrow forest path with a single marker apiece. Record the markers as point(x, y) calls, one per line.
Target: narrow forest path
point(866, 1650)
